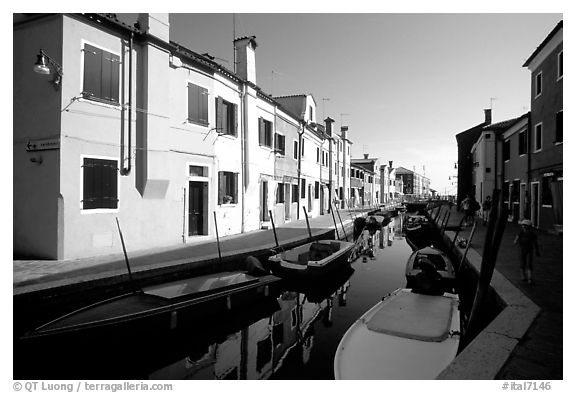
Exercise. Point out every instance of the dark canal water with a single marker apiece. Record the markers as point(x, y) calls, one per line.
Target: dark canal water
point(292, 336)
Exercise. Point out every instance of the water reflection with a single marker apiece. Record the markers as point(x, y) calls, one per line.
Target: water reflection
point(299, 338)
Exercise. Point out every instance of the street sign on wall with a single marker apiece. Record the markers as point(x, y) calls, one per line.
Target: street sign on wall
point(43, 144)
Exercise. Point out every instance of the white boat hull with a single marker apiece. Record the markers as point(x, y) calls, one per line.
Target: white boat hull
point(405, 336)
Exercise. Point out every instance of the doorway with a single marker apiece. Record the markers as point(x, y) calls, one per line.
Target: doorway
point(264, 216)
point(197, 208)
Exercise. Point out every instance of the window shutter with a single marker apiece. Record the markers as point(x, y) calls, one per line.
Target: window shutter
point(235, 188)
point(235, 119)
point(221, 187)
point(261, 131)
point(92, 71)
point(202, 97)
point(193, 113)
point(219, 111)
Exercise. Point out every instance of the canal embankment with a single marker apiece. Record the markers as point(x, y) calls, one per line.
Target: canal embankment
point(522, 334)
point(44, 289)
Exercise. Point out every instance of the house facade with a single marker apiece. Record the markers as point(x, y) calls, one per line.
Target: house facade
point(413, 183)
point(133, 127)
point(372, 179)
point(545, 143)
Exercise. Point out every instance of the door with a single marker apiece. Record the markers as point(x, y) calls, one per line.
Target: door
point(534, 203)
point(196, 208)
point(287, 201)
point(523, 199)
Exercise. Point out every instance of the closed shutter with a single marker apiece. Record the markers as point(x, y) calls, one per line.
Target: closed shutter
point(219, 107)
point(193, 109)
point(235, 119)
point(202, 105)
point(261, 131)
point(110, 76)
point(92, 71)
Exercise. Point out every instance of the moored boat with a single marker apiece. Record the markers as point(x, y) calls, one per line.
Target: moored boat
point(161, 307)
point(430, 256)
point(311, 259)
point(405, 336)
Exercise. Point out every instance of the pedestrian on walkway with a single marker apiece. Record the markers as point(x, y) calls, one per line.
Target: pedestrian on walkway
point(486, 206)
point(527, 240)
point(467, 206)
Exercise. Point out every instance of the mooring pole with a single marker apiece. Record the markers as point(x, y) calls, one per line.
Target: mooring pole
point(126, 257)
point(307, 223)
point(274, 228)
point(217, 238)
point(334, 219)
point(340, 218)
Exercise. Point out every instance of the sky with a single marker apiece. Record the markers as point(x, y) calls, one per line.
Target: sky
point(404, 84)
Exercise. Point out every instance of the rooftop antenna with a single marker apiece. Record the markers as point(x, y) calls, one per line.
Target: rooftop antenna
point(324, 107)
point(492, 99)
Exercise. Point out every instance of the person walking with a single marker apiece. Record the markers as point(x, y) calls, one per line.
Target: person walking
point(527, 241)
point(486, 206)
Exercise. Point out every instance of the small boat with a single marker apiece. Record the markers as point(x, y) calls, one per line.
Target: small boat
point(405, 336)
point(429, 256)
point(317, 291)
point(311, 259)
point(161, 307)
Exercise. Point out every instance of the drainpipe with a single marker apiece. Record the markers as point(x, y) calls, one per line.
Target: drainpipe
point(243, 128)
point(126, 170)
point(300, 138)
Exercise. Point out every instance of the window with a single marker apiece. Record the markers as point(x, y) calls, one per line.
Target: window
point(538, 137)
point(538, 84)
point(522, 143)
point(197, 104)
point(560, 65)
point(311, 112)
point(197, 170)
point(316, 190)
point(318, 155)
point(506, 150)
point(101, 75)
point(303, 188)
point(264, 132)
point(100, 184)
point(227, 187)
point(547, 190)
point(295, 193)
point(280, 142)
point(295, 150)
point(280, 197)
point(559, 127)
point(488, 170)
point(302, 153)
point(226, 117)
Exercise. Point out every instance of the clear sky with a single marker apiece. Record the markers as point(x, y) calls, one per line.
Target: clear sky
point(405, 84)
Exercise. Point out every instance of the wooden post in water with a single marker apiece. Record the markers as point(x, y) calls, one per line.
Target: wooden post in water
point(307, 223)
point(496, 225)
point(445, 223)
point(340, 218)
point(334, 219)
point(467, 247)
point(457, 232)
point(217, 238)
point(132, 283)
point(274, 229)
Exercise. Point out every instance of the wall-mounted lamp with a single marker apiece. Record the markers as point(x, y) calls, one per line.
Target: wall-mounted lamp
point(42, 68)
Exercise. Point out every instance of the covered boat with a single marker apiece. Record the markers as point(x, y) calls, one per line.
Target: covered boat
point(405, 336)
point(311, 259)
point(440, 263)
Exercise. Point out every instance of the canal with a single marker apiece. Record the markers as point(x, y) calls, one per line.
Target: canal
point(291, 336)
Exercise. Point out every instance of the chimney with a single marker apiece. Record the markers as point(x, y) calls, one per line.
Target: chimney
point(390, 164)
point(365, 156)
point(344, 132)
point(328, 121)
point(157, 25)
point(245, 48)
point(488, 116)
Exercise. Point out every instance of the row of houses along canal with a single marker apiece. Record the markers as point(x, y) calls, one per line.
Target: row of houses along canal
point(292, 334)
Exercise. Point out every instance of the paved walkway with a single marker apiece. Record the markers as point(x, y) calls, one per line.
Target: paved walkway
point(539, 354)
point(29, 275)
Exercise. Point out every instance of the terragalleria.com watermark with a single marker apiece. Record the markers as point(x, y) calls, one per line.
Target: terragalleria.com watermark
point(80, 386)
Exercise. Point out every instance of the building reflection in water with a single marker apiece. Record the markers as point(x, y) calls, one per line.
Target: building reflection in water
point(259, 350)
